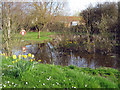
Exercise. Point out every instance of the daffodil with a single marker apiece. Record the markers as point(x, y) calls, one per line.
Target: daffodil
point(14, 56)
point(16, 61)
point(6, 57)
point(13, 62)
point(39, 60)
point(19, 56)
point(32, 56)
point(29, 55)
point(25, 56)
point(31, 60)
point(3, 54)
point(22, 55)
point(75, 42)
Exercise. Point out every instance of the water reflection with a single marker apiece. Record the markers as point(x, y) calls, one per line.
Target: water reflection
point(48, 54)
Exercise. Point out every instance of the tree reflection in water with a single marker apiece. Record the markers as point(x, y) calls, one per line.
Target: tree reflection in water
point(47, 53)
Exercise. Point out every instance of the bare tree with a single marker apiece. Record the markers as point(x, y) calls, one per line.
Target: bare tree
point(10, 22)
point(6, 25)
point(43, 12)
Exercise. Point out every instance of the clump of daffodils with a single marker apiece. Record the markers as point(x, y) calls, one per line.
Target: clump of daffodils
point(29, 56)
point(3, 54)
point(21, 56)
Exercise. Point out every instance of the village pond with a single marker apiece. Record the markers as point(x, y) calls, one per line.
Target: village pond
point(48, 53)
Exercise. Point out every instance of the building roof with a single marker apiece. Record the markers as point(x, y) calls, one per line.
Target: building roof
point(66, 19)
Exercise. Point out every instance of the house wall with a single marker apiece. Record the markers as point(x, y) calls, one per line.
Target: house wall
point(68, 20)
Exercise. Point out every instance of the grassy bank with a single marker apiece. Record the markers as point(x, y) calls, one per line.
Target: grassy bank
point(39, 75)
point(33, 36)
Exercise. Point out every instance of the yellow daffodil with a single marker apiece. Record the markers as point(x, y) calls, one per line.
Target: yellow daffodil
point(25, 56)
point(14, 56)
point(29, 55)
point(22, 55)
point(92, 43)
point(13, 62)
point(75, 42)
point(32, 56)
point(16, 61)
point(19, 56)
point(39, 60)
point(34, 59)
point(6, 57)
point(3, 54)
point(70, 42)
point(31, 60)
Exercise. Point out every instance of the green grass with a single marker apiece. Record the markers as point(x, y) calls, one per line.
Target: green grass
point(52, 76)
point(33, 36)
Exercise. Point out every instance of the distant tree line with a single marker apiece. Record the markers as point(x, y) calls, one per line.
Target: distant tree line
point(101, 26)
point(107, 11)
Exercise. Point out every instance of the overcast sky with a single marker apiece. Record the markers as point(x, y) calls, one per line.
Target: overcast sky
point(74, 6)
point(79, 5)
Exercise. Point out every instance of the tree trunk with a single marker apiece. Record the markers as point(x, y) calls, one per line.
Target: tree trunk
point(88, 41)
point(9, 29)
point(118, 38)
point(38, 34)
point(41, 30)
point(118, 31)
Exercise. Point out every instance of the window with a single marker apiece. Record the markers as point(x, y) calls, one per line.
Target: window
point(74, 23)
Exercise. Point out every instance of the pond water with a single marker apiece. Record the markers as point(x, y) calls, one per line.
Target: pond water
point(47, 53)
